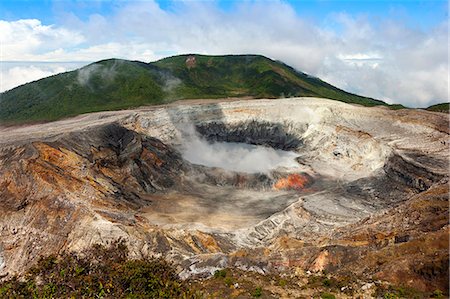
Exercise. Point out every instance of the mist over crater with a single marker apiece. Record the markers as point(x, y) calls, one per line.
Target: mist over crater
point(239, 157)
point(234, 156)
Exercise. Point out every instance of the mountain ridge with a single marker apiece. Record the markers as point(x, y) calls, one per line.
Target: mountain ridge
point(114, 84)
point(440, 107)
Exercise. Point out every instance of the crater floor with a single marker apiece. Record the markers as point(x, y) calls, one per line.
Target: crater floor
point(215, 209)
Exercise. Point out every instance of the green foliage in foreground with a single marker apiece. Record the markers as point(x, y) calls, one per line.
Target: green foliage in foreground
point(99, 272)
point(443, 107)
point(115, 84)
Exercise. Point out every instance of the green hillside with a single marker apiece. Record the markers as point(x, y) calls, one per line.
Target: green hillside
point(249, 75)
point(118, 84)
point(442, 107)
point(104, 85)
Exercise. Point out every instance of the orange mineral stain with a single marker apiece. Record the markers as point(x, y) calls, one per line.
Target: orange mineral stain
point(293, 181)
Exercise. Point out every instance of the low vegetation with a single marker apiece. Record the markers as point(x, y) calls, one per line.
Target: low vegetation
point(395, 292)
point(106, 272)
point(99, 272)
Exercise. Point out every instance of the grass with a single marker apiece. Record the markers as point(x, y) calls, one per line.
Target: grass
point(115, 84)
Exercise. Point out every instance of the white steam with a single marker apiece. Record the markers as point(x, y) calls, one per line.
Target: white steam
point(106, 73)
point(84, 74)
point(232, 156)
point(170, 82)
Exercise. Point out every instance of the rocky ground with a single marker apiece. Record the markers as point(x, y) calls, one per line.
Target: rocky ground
point(368, 199)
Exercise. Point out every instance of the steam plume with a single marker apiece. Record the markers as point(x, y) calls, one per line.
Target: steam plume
point(233, 156)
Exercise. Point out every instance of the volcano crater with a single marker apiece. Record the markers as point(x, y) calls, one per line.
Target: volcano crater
point(162, 178)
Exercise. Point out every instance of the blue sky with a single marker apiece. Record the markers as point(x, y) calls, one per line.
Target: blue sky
point(423, 14)
point(396, 51)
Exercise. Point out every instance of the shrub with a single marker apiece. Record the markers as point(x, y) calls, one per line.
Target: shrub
point(98, 272)
point(257, 292)
point(327, 296)
point(390, 296)
point(282, 282)
point(437, 294)
point(220, 273)
point(228, 281)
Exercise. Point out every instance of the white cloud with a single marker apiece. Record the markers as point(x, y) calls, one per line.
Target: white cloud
point(129, 50)
point(400, 65)
point(26, 39)
point(15, 74)
point(381, 58)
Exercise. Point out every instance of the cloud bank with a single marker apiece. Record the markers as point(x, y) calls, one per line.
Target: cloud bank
point(383, 58)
